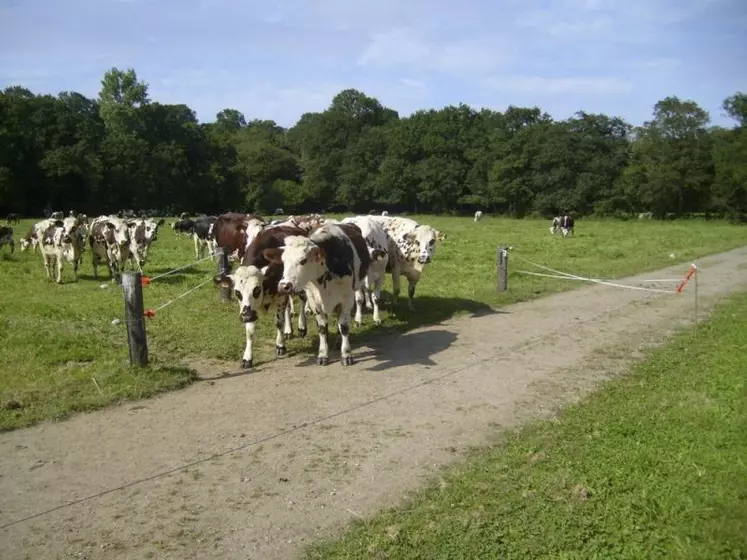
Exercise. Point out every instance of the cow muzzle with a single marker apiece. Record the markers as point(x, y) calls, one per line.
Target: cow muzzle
point(285, 287)
point(424, 259)
point(248, 315)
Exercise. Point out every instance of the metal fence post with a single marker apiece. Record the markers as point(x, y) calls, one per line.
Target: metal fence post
point(134, 319)
point(224, 268)
point(502, 269)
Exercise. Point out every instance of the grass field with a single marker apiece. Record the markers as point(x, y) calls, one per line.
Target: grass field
point(61, 352)
point(651, 466)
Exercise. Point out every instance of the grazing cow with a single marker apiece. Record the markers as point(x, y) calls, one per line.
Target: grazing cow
point(233, 232)
point(411, 247)
point(202, 234)
point(255, 284)
point(478, 215)
point(385, 213)
point(109, 239)
point(56, 247)
point(56, 216)
point(565, 223)
point(6, 238)
point(13, 218)
point(378, 249)
point(278, 212)
point(329, 265)
point(143, 232)
point(183, 225)
point(645, 215)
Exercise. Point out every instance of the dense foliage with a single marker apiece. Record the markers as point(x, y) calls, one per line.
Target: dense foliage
point(123, 150)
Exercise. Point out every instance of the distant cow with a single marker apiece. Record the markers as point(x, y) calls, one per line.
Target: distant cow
point(202, 234)
point(6, 238)
point(378, 249)
point(75, 229)
point(385, 213)
point(478, 215)
point(233, 232)
point(564, 223)
point(33, 238)
point(183, 225)
point(329, 266)
point(109, 239)
point(278, 212)
point(57, 247)
point(142, 232)
point(255, 283)
point(411, 247)
point(13, 218)
point(56, 215)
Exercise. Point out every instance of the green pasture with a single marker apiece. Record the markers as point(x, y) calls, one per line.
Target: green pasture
point(61, 352)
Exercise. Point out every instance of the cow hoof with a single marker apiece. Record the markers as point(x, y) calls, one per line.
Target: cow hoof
point(302, 333)
point(377, 323)
point(247, 364)
point(359, 324)
point(287, 336)
point(348, 360)
point(322, 361)
point(280, 351)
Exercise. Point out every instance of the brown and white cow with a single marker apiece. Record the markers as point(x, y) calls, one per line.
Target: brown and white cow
point(255, 284)
point(329, 265)
point(32, 240)
point(378, 249)
point(233, 232)
point(109, 239)
point(57, 246)
point(75, 228)
point(6, 238)
point(564, 223)
point(411, 247)
point(142, 232)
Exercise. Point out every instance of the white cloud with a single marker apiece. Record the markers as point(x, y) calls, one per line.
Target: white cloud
point(537, 84)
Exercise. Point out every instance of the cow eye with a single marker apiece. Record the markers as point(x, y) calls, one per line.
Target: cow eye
point(303, 261)
point(256, 292)
point(238, 294)
point(431, 242)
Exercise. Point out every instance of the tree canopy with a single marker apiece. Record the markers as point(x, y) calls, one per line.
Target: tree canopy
point(124, 150)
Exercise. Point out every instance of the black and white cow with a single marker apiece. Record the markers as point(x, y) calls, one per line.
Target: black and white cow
point(57, 246)
point(6, 238)
point(142, 232)
point(329, 265)
point(378, 249)
point(13, 218)
point(203, 236)
point(411, 247)
point(183, 226)
point(564, 223)
point(109, 239)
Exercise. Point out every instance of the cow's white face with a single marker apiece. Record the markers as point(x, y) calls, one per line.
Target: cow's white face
point(246, 284)
point(302, 259)
point(423, 239)
point(253, 228)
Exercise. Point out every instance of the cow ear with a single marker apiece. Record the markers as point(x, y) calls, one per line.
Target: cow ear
point(223, 281)
point(264, 270)
point(131, 224)
point(440, 235)
point(274, 255)
point(317, 254)
point(409, 237)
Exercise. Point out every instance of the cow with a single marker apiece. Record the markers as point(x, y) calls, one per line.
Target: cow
point(109, 239)
point(6, 238)
point(411, 247)
point(202, 234)
point(75, 229)
point(385, 213)
point(32, 239)
point(564, 222)
point(378, 249)
point(478, 215)
point(278, 212)
point(255, 284)
point(56, 216)
point(13, 218)
point(233, 232)
point(329, 265)
point(183, 225)
point(142, 232)
point(57, 246)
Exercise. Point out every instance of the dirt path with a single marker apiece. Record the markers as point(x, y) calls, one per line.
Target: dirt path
point(319, 446)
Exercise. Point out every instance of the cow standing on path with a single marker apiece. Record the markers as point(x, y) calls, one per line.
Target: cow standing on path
point(411, 247)
point(329, 266)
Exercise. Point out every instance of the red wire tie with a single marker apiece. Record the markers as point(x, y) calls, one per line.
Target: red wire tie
point(144, 280)
point(686, 279)
point(149, 313)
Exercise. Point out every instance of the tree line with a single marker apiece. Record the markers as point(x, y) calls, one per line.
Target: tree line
point(123, 150)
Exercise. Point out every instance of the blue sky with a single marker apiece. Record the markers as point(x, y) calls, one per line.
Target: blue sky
point(277, 60)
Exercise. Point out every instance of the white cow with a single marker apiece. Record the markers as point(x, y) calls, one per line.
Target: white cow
point(142, 233)
point(411, 247)
point(329, 265)
point(478, 215)
point(32, 240)
point(378, 248)
point(57, 246)
point(109, 239)
point(75, 227)
point(564, 223)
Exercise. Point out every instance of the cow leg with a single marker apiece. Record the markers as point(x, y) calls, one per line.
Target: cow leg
point(411, 293)
point(246, 360)
point(46, 265)
point(302, 322)
point(95, 263)
point(323, 355)
point(291, 306)
point(58, 267)
point(343, 324)
point(197, 246)
point(75, 270)
point(375, 298)
point(360, 300)
point(282, 321)
point(287, 320)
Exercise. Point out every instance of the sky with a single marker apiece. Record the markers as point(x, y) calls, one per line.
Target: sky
point(282, 58)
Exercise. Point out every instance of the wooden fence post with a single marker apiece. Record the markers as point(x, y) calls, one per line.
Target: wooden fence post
point(224, 267)
point(502, 269)
point(134, 319)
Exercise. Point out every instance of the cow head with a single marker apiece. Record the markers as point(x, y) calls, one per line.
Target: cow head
point(302, 260)
point(424, 239)
point(246, 284)
point(250, 229)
